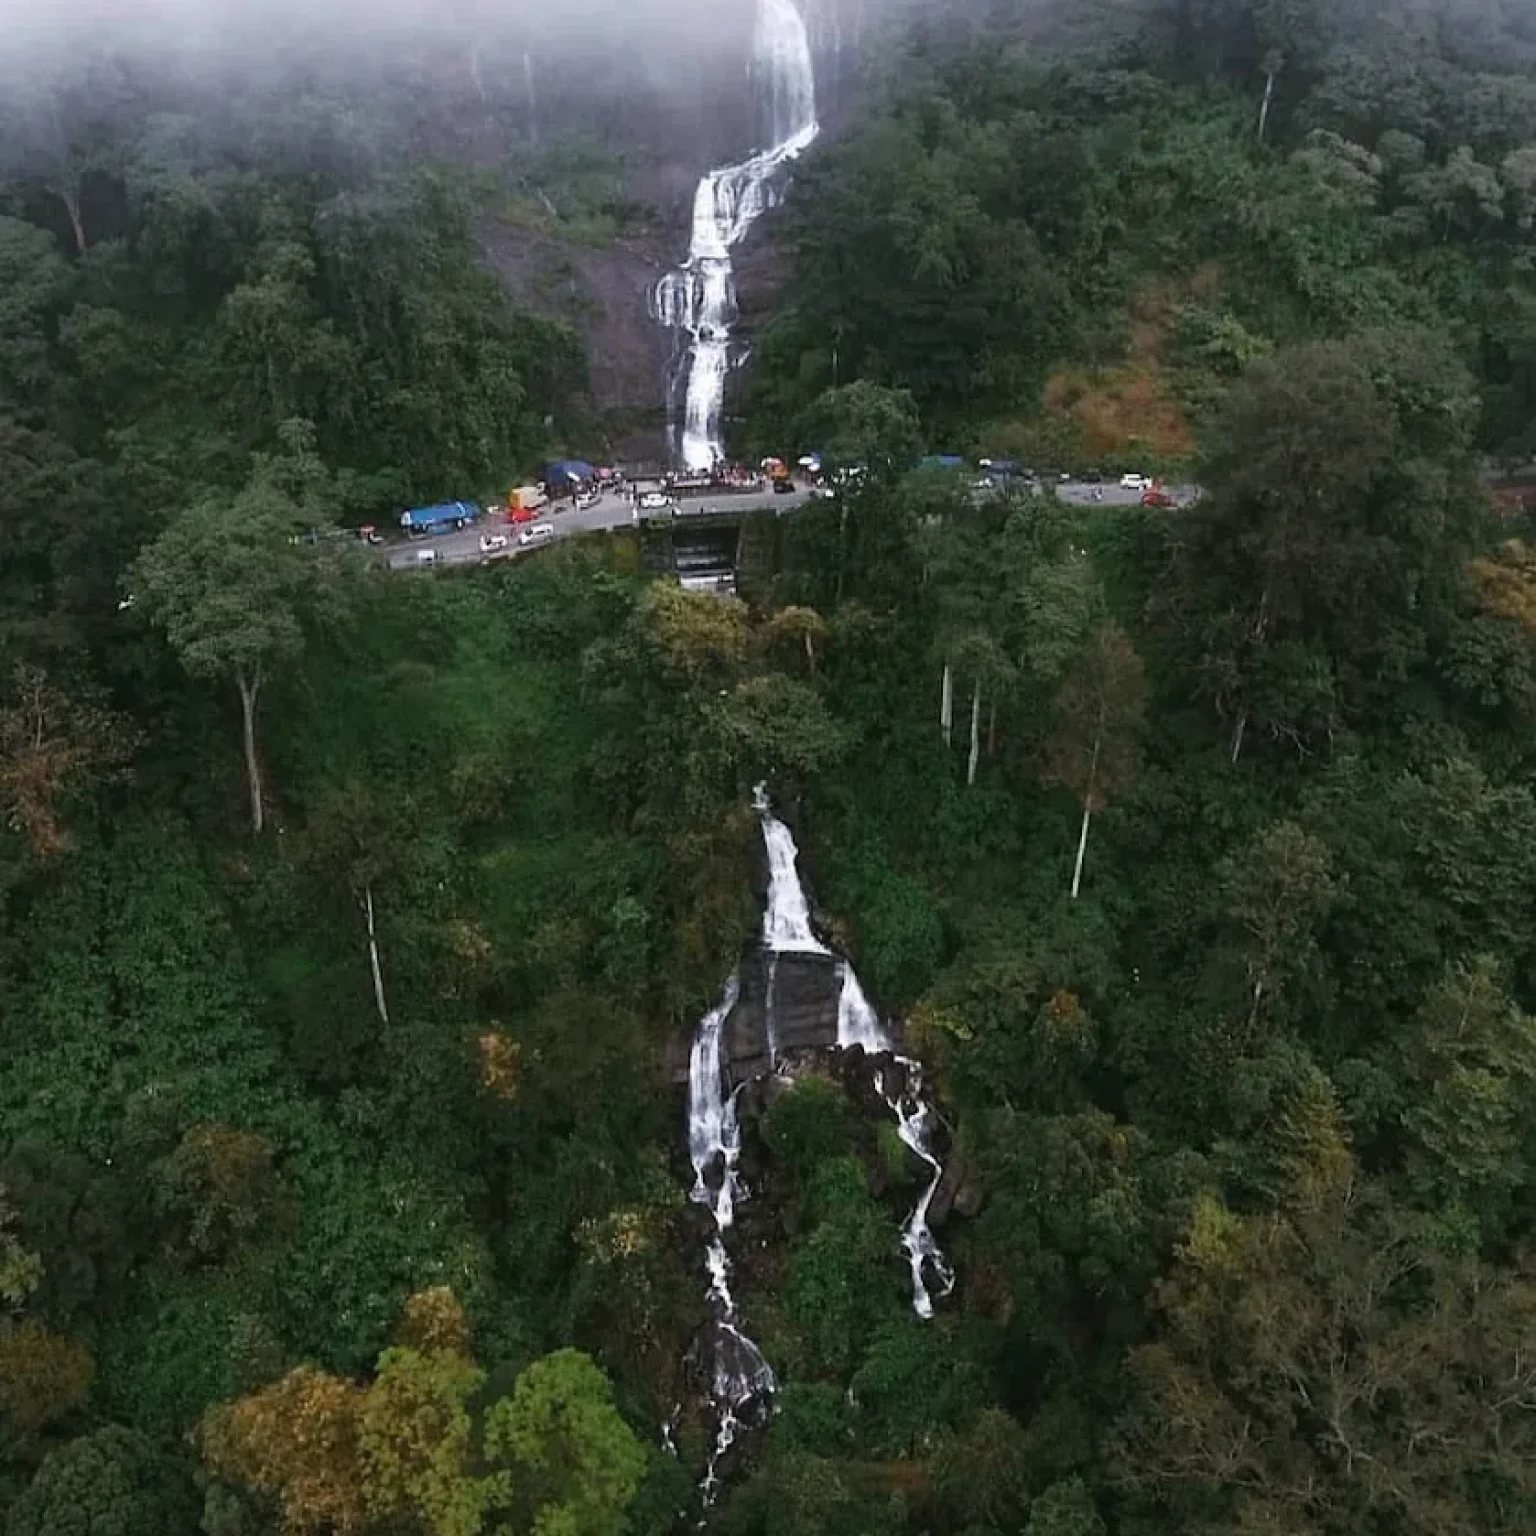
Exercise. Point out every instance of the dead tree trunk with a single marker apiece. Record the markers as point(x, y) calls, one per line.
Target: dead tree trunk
point(250, 689)
point(975, 758)
point(947, 704)
point(373, 955)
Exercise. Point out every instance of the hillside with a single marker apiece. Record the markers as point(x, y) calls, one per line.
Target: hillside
point(1024, 1027)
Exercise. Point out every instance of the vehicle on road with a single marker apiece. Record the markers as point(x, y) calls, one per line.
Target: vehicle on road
point(439, 519)
point(426, 557)
point(490, 542)
point(783, 486)
point(1156, 498)
point(654, 501)
point(1134, 482)
point(540, 533)
point(527, 499)
point(369, 534)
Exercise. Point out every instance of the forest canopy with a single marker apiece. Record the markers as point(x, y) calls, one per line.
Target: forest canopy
point(354, 924)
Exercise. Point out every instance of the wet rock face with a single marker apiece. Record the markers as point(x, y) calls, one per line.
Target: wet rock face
point(801, 1011)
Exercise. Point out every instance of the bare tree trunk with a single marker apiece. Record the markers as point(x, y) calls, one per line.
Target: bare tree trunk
point(1082, 849)
point(1089, 791)
point(1238, 733)
point(810, 652)
point(970, 767)
point(992, 730)
point(373, 956)
point(1269, 96)
point(947, 704)
point(250, 687)
point(70, 197)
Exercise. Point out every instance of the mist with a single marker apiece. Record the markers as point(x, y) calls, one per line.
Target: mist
point(224, 32)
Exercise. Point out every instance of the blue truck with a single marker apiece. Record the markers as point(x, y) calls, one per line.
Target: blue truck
point(440, 519)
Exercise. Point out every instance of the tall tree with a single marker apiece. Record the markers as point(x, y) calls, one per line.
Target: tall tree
point(1099, 713)
point(230, 583)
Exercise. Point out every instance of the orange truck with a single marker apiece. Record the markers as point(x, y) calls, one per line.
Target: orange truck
point(524, 501)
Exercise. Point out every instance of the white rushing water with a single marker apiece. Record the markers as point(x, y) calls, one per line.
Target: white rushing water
point(787, 917)
point(700, 297)
point(741, 1383)
point(859, 1025)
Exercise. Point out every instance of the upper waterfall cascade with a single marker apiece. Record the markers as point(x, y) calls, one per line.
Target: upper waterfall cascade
point(742, 1383)
point(699, 298)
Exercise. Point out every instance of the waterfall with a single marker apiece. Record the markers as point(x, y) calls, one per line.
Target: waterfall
point(859, 1025)
point(741, 1383)
point(787, 917)
point(699, 298)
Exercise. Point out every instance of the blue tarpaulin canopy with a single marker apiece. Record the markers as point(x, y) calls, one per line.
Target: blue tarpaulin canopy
point(563, 474)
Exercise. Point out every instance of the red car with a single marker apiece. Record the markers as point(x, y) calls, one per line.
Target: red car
point(1157, 498)
point(521, 515)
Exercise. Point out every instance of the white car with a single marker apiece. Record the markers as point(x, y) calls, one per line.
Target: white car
point(426, 557)
point(1135, 483)
point(653, 501)
point(490, 542)
point(539, 533)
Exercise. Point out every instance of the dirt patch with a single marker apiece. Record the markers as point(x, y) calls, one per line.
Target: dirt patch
point(1132, 407)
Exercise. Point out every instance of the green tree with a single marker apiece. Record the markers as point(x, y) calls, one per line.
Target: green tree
point(230, 584)
point(575, 1464)
point(1099, 716)
point(1276, 888)
point(1339, 505)
point(414, 1434)
point(111, 1482)
point(1065, 1509)
point(1279, 1339)
point(1469, 1093)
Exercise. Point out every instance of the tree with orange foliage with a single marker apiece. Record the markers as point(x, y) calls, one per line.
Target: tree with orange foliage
point(43, 1377)
point(401, 1452)
point(49, 743)
point(298, 1439)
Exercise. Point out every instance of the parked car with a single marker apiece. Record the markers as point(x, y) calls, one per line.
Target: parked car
point(520, 514)
point(1134, 482)
point(1156, 498)
point(489, 542)
point(426, 557)
point(540, 533)
point(654, 501)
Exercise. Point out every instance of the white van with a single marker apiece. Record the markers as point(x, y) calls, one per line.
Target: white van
point(539, 533)
point(426, 557)
point(1135, 483)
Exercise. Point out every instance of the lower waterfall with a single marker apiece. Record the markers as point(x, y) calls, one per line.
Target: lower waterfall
point(742, 1383)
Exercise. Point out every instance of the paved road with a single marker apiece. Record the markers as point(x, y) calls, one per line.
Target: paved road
point(463, 547)
point(614, 511)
